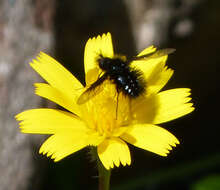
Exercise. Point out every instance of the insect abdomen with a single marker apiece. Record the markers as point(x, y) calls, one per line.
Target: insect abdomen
point(130, 83)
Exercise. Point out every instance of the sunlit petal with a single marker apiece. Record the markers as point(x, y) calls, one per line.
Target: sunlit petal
point(158, 79)
point(154, 70)
point(162, 107)
point(114, 151)
point(173, 104)
point(61, 145)
point(151, 138)
point(53, 94)
point(56, 75)
point(100, 45)
point(49, 121)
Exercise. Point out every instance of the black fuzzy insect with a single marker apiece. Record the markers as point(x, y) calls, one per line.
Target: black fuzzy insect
point(129, 81)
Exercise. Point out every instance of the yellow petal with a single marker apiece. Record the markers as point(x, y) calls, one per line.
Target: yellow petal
point(151, 138)
point(61, 145)
point(56, 75)
point(145, 66)
point(147, 50)
point(158, 78)
point(113, 152)
point(49, 121)
point(172, 104)
point(155, 72)
point(94, 47)
point(64, 100)
point(162, 107)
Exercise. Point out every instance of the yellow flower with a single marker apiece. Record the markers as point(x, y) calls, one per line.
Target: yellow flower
point(95, 123)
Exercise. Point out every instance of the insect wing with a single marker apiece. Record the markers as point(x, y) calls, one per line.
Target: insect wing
point(92, 91)
point(88, 94)
point(162, 52)
point(156, 54)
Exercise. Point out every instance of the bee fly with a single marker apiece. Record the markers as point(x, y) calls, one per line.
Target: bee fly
point(127, 80)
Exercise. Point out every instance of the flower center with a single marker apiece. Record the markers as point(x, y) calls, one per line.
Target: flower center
point(105, 115)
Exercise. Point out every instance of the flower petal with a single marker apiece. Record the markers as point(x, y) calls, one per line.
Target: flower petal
point(173, 104)
point(151, 138)
point(114, 151)
point(147, 50)
point(155, 72)
point(53, 94)
point(49, 121)
point(61, 145)
point(94, 47)
point(56, 75)
point(162, 107)
point(158, 78)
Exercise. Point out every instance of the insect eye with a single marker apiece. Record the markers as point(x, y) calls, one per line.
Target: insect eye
point(104, 63)
point(101, 62)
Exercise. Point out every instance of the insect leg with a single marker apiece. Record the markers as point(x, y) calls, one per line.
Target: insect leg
point(118, 91)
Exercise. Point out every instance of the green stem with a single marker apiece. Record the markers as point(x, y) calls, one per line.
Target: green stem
point(104, 177)
point(104, 174)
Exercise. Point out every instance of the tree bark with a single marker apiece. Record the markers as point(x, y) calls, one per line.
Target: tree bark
point(25, 29)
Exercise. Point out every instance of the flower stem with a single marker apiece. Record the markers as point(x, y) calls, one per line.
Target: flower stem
point(104, 174)
point(104, 177)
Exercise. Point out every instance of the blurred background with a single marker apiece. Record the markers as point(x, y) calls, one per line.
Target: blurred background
point(61, 29)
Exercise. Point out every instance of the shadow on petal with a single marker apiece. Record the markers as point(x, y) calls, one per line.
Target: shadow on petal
point(92, 76)
point(144, 110)
point(129, 138)
point(103, 146)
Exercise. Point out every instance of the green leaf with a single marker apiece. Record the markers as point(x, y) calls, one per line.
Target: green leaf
point(211, 182)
